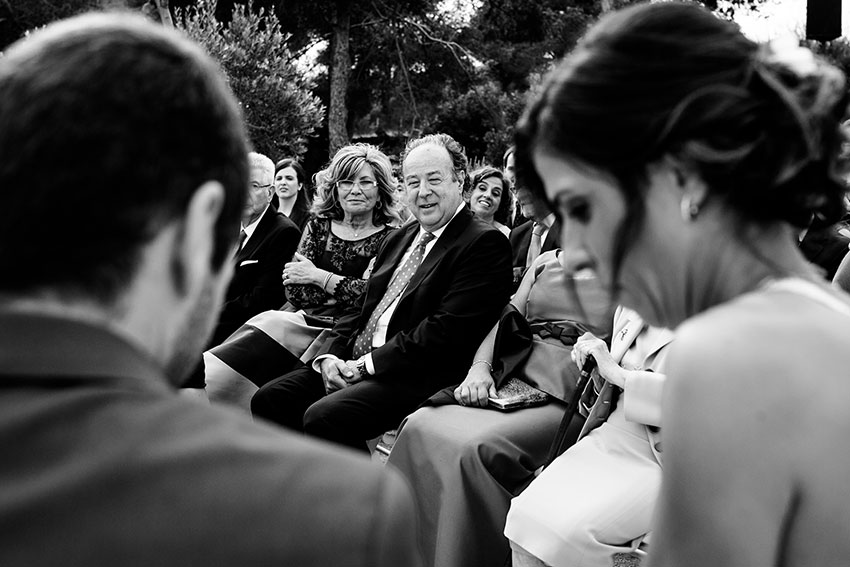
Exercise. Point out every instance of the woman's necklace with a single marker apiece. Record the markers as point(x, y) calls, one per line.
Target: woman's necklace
point(354, 230)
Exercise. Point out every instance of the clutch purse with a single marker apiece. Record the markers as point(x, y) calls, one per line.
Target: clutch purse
point(516, 394)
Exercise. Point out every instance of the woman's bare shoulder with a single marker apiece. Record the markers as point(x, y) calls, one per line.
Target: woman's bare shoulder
point(765, 345)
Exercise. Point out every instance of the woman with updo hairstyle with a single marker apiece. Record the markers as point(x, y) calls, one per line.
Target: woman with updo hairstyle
point(292, 193)
point(489, 197)
point(354, 210)
point(683, 159)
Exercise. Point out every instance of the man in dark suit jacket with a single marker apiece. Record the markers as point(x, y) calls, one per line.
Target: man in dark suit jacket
point(104, 464)
point(416, 327)
point(542, 220)
point(271, 240)
point(267, 241)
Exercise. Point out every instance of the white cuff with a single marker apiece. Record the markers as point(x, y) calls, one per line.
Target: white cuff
point(317, 362)
point(642, 397)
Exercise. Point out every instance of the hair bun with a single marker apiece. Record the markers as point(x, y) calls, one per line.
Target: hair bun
point(813, 100)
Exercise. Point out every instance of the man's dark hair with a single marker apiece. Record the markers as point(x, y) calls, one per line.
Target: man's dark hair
point(108, 126)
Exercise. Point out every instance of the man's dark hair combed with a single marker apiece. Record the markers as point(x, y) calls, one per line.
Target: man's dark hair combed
point(108, 126)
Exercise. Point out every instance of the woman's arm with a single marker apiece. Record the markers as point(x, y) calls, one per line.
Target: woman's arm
point(303, 280)
point(479, 385)
point(643, 388)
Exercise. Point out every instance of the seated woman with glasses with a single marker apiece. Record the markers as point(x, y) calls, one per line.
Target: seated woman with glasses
point(354, 211)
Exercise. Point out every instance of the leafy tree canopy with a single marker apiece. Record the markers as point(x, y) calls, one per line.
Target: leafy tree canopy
point(280, 111)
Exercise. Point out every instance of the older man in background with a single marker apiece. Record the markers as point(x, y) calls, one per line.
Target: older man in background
point(267, 241)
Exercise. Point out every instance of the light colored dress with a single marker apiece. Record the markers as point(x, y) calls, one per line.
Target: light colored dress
point(597, 499)
point(466, 463)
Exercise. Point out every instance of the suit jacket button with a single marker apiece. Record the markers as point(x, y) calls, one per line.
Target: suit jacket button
point(658, 446)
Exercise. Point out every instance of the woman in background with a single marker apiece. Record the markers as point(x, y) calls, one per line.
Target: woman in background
point(292, 194)
point(489, 197)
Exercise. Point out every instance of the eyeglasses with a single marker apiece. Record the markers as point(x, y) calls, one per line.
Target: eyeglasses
point(363, 184)
point(256, 186)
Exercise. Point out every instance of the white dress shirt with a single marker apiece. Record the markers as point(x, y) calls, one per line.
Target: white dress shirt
point(249, 230)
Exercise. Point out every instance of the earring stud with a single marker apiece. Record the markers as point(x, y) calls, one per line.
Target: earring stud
point(689, 209)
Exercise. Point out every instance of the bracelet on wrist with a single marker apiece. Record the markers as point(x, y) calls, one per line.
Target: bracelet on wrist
point(482, 361)
point(327, 280)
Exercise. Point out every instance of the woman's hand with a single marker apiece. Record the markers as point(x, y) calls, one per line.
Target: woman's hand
point(302, 271)
point(588, 346)
point(476, 387)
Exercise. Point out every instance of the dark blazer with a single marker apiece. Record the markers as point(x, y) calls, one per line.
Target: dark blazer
point(300, 214)
point(257, 285)
point(520, 238)
point(91, 428)
point(452, 302)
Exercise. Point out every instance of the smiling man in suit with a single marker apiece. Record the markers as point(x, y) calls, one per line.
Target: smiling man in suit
point(437, 288)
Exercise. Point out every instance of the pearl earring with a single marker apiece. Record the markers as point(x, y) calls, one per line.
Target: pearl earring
point(690, 210)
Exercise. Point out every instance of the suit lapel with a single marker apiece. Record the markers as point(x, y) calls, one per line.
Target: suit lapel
point(552, 238)
point(523, 240)
point(379, 281)
point(625, 336)
point(257, 237)
point(660, 339)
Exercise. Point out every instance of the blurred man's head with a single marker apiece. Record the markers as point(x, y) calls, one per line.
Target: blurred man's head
point(509, 165)
point(531, 206)
point(260, 187)
point(147, 170)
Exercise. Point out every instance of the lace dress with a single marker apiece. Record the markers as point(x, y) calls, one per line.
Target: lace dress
point(276, 342)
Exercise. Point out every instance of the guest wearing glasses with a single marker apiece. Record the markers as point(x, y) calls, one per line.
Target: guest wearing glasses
point(267, 241)
point(437, 288)
point(353, 214)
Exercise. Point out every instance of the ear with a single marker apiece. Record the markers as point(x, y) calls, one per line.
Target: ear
point(195, 242)
point(461, 179)
point(686, 179)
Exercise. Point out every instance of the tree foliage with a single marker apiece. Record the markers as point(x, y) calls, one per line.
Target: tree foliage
point(19, 16)
point(280, 111)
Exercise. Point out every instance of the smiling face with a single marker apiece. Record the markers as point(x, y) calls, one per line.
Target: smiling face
point(286, 184)
point(359, 194)
point(433, 189)
point(486, 197)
